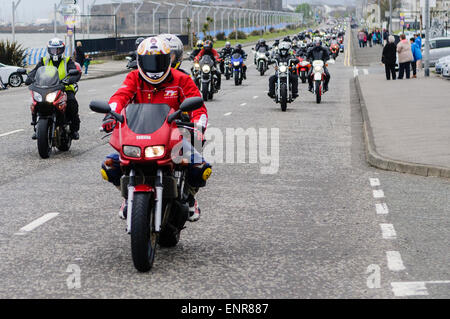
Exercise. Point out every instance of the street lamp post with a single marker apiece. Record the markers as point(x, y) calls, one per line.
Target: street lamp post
point(427, 38)
point(13, 25)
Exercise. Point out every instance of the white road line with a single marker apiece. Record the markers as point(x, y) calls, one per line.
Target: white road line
point(366, 72)
point(388, 231)
point(395, 262)
point(378, 193)
point(374, 182)
point(228, 114)
point(355, 72)
point(243, 104)
point(382, 209)
point(404, 289)
point(12, 132)
point(413, 288)
point(38, 222)
point(255, 97)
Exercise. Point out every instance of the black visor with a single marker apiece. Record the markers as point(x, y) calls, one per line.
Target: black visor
point(154, 63)
point(56, 51)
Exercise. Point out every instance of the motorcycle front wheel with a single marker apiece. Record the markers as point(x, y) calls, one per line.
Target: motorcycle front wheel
point(205, 92)
point(236, 78)
point(283, 100)
point(318, 91)
point(143, 236)
point(44, 137)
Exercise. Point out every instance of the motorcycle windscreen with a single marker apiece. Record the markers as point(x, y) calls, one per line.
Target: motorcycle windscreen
point(46, 77)
point(146, 118)
point(206, 59)
point(236, 56)
point(262, 50)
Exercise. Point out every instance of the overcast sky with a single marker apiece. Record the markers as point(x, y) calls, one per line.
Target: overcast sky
point(30, 10)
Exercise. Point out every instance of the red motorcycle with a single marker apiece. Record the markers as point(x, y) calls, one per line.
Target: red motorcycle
point(303, 68)
point(334, 48)
point(148, 138)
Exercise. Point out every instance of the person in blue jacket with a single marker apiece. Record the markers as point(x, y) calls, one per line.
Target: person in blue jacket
point(417, 55)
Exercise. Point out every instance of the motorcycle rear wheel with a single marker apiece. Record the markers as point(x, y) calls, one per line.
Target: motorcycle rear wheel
point(143, 237)
point(44, 137)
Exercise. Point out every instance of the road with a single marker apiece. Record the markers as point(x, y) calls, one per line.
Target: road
point(311, 230)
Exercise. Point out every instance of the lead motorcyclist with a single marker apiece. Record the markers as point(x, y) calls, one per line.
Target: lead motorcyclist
point(56, 49)
point(284, 55)
point(238, 49)
point(226, 51)
point(208, 50)
point(318, 52)
point(157, 83)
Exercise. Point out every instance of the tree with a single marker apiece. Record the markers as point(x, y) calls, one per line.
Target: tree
point(12, 53)
point(304, 8)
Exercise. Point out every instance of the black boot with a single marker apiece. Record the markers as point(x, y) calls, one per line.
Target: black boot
point(74, 135)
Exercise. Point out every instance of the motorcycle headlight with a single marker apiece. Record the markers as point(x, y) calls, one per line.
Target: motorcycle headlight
point(236, 63)
point(50, 98)
point(154, 151)
point(132, 151)
point(304, 63)
point(283, 68)
point(206, 69)
point(317, 68)
point(37, 97)
point(197, 66)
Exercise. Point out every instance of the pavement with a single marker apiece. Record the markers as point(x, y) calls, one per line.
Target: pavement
point(325, 225)
point(406, 120)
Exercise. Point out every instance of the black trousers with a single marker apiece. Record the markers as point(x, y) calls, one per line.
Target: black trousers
point(72, 112)
point(404, 68)
point(390, 69)
point(292, 78)
point(327, 77)
point(414, 67)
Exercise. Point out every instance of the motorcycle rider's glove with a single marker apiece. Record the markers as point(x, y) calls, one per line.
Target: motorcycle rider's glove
point(109, 123)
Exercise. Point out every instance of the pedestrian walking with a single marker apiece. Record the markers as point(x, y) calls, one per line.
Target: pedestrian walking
point(79, 53)
point(417, 55)
point(361, 39)
point(87, 62)
point(389, 58)
point(385, 36)
point(418, 41)
point(404, 57)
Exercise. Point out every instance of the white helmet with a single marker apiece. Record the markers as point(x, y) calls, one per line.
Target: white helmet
point(154, 60)
point(55, 49)
point(176, 49)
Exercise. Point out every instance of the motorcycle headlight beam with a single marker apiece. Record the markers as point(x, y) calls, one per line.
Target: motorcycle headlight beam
point(154, 151)
point(317, 68)
point(283, 68)
point(50, 98)
point(132, 151)
point(206, 69)
point(236, 63)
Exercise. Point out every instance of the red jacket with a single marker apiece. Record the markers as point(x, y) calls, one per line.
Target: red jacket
point(173, 91)
point(203, 52)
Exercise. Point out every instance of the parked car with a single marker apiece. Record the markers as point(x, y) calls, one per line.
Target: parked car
point(9, 75)
point(441, 62)
point(439, 48)
point(446, 70)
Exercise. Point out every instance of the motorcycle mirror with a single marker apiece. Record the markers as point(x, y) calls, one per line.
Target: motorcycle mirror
point(21, 71)
point(191, 104)
point(100, 107)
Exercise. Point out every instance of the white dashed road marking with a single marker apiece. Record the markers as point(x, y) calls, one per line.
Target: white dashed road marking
point(382, 209)
point(243, 104)
point(366, 72)
point(12, 132)
point(35, 224)
point(228, 114)
point(378, 193)
point(255, 97)
point(414, 288)
point(374, 182)
point(388, 231)
point(395, 262)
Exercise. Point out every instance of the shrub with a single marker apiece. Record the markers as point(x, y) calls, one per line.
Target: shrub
point(272, 30)
point(257, 32)
point(12, 53)
point(241, 35)
point(221, 36)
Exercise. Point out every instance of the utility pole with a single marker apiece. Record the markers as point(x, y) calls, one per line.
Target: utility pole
point(427, 38)
point(191, 36)
point(390, 17)
point(13, 24)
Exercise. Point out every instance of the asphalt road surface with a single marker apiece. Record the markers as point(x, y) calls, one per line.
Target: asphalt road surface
point(312, 230)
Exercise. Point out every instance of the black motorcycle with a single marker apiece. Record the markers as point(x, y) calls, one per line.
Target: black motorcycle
point(207, 79)
point(49, 103)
